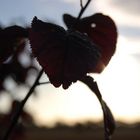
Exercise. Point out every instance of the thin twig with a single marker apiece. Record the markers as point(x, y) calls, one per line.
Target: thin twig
point(81, 4)
point(42, 83)
point(20, 108)
point(83, 9)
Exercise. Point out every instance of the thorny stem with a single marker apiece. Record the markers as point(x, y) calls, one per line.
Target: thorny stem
point(20, 108)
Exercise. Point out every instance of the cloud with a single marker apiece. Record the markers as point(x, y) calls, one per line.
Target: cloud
point(136, 57)
point(129, 6)
point(130, 31)
point(125, 13)
point(52, 9)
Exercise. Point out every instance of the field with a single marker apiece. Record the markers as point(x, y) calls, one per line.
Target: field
point(121, 133)
point(77, 132)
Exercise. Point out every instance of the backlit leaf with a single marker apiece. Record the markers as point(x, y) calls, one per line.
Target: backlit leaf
point(66, 56)
point(101, 29)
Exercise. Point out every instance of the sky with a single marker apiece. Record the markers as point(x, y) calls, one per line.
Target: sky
point(119, 82)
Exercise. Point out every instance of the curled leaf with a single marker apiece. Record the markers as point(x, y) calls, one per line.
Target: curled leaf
point(66, 56)
point(109, 122)
point(101, 29)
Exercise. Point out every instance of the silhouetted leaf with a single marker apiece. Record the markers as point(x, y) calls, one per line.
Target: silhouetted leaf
point(109, 122)
point(15, 69)
point(101, 29)
point(10, 39)
point(66, 56)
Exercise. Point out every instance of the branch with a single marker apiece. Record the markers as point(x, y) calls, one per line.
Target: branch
point(43, 83)
point(81, 3)
point(83, 8)
point(20, 108)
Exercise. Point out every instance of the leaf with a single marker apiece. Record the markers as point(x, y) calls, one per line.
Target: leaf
point(66, 56)
point(17, 70)
point(10, 39)
point(101, 29)
point(109, 122)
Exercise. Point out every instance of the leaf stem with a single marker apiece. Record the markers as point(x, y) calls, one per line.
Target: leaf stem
point(20, 108)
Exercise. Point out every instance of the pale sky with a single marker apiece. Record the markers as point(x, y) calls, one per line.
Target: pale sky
point(119, 82)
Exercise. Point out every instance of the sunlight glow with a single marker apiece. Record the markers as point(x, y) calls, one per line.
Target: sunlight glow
point(77, 104)
point(117, 14)
point(119, 83)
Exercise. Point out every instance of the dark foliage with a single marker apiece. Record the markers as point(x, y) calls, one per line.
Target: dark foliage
point(12, 45)
point(11, 39)
point(102, 31)
point(66, 56)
